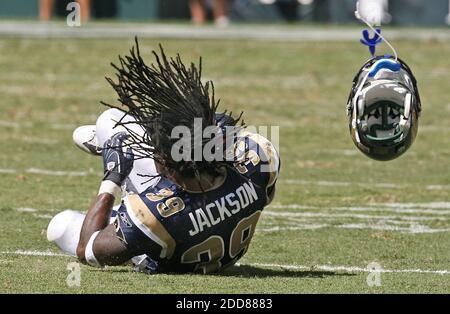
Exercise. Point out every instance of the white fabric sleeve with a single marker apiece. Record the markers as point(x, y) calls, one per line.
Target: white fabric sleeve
point(89, 253)
point(110, 187)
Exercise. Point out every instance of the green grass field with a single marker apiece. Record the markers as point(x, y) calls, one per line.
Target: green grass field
point(336, 211)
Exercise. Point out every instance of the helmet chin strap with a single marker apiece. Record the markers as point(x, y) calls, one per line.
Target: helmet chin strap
point(405, 121)
point(356, 110)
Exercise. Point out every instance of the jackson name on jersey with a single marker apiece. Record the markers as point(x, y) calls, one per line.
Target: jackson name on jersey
point(182, 231)
point(226, 206)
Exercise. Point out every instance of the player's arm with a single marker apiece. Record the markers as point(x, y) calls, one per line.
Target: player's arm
point(98, 243)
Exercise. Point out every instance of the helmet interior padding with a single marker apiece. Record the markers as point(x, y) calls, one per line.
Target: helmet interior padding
point(382, 110)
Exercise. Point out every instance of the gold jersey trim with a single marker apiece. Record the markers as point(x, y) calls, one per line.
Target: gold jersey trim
point(150, 225)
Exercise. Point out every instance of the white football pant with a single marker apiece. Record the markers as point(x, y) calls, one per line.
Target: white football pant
point(106, 128)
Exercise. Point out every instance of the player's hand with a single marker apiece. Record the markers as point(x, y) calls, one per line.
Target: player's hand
point(118, 159)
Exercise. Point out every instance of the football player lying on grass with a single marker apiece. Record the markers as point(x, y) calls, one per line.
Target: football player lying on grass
point(190, 203)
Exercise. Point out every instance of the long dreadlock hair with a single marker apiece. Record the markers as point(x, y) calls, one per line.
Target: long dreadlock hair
point(161, 97)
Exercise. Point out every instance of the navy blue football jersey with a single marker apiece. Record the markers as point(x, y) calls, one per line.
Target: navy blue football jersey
point(183, 231)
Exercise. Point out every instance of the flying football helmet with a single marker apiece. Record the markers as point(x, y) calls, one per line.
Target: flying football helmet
point(384, 108)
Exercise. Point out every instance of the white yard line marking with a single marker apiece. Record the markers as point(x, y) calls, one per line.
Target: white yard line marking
point(435, 208)
point(20, 125)
point(304, 219)
point(362, 184)
point(56, 172)
point(16, 125)
point(8, 171)
point(350, 269)
point(43, 216)
point(394, 210)
point(438, 187)
point(417, 205)
point(58, 126)
point(47, 172)
point(36, 140)
point(351, 215)
point(53, 210)
point(414, 228)
point(297, 228)
point(26, 209)
point(33, 253)
point(320, 183)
